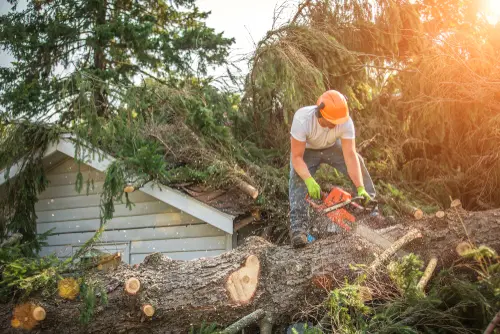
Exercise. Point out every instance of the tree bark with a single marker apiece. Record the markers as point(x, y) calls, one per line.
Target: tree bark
point(279, 280)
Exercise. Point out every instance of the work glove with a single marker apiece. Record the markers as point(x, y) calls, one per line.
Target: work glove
point(313, 188)
point(362, 193)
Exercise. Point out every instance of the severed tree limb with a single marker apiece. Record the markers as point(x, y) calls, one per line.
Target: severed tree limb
point(412, 211)
point(246, 321)
point(410, 236)
point(364, 144)
point(186, 293)
point(427, 274)
point(493, 324)
point(266, 325)
point(244, 222)
point(247, 188)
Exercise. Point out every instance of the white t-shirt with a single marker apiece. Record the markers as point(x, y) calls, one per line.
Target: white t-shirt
point(305, 128)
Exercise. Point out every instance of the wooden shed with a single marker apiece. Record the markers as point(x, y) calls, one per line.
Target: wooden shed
point(162, 220)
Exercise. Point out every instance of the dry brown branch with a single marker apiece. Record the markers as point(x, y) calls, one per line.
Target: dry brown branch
point(244, 222)
point(302, 6)
point(364, 144)
point(493, 324)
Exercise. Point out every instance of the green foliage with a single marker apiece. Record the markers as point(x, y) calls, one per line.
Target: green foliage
point(406, 273)
point(92, 294)
point(23, 140)
point(329, 175)
point(308, 330)
point(111, 40)
point(26, 274)
point(346, 307)
point(453, 304)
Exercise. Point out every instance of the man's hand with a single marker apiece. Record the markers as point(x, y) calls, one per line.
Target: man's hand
point(362, 193)
point(313, 188)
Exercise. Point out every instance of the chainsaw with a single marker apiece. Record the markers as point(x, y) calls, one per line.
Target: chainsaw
point(340, 210)
point(339, 207)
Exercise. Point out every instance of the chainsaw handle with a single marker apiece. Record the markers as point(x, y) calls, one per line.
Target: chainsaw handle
point(315, 203)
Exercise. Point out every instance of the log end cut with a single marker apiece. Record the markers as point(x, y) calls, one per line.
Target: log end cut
point(39, 313)
point(463, 247)
point(242, 284)
point(148, 310)
point(132, 286)
point(440, 214)
point(418, 214)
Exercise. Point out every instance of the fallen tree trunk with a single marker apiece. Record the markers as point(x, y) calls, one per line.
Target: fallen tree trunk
point(278, 280)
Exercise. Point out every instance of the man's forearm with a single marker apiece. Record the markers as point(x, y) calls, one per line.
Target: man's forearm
point(354, 169)
point(300, 167)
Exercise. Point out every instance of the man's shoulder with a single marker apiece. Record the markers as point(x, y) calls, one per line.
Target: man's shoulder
point(304, 113)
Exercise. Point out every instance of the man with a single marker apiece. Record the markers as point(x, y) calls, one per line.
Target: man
point(323, 133)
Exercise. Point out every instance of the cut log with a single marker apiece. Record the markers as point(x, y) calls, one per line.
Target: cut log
point(247, 189)
point(148, 310)
point(412, 211)
point(132, 286)
point(440, 214)
point(429, 270)
point(129, 188)
point(39, 313)
point(280, 279)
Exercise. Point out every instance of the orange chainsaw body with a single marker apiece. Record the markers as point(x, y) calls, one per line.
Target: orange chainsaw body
point(339, 216)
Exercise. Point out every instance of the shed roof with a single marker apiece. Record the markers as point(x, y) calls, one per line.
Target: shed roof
point(65, 147)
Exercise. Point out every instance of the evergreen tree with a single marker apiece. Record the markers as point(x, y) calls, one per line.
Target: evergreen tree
point(55, 42)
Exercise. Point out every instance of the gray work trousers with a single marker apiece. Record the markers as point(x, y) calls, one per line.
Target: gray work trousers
point(332, 156)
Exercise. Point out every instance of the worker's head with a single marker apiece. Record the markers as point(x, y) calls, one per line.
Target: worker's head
point(332, 106)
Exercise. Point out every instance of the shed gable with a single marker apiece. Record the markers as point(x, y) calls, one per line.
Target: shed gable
point(150, 226)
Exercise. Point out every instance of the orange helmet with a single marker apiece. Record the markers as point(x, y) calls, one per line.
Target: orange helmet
point(333, 107)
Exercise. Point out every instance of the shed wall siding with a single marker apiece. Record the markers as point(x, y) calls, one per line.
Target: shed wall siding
point(150, 226)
